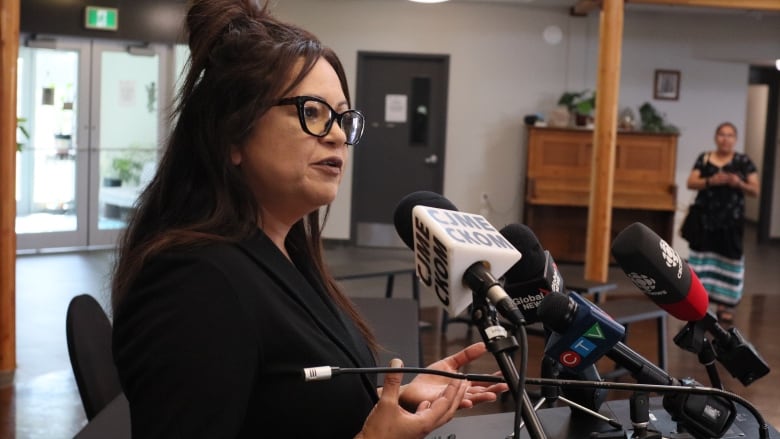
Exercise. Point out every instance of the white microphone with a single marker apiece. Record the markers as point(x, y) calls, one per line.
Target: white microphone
point(456, 253)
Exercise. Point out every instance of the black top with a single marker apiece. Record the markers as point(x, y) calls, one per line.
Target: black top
point(725, 205)
point(211, 342)
point(722, 207)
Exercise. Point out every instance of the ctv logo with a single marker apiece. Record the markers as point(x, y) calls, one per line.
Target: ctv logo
point(582, 347)
point(570, 359)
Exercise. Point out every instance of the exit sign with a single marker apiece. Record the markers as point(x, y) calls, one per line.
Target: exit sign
point(99, 18)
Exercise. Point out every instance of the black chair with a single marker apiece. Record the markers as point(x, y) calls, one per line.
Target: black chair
point(88, 332)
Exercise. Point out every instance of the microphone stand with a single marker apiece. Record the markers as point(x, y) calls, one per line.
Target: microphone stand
point(736, 354)
point(692, 338)
point(550, 394)
point(501, 344)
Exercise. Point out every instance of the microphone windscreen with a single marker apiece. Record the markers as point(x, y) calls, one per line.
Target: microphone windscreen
point(531, 265)
point(656, 269)
point(402, 216)
point(554, 311)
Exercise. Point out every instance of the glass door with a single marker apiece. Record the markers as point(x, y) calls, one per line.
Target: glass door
point(92, 114)
point(50, 163)
point(127, 102)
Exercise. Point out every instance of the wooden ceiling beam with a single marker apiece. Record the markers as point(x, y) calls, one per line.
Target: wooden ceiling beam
point(585, 7)
point(760, 5)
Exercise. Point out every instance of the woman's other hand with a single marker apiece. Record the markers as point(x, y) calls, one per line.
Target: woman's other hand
point(389, 420)
point(425, 387)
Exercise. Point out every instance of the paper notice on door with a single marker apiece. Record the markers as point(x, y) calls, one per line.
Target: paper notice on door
point(126, 93)
point(395, 108)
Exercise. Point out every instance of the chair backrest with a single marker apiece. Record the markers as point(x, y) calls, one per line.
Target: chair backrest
point(88, 332)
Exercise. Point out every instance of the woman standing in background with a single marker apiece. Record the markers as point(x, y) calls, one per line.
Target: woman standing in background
point(722, 177)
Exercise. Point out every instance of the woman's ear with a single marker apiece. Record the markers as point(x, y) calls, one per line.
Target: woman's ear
point(235, 155)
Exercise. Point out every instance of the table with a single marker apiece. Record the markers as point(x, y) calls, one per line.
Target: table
point(558, 423)
point(562, 423)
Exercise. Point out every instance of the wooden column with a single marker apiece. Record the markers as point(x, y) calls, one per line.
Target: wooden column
point(604, 137)
point(9, 51)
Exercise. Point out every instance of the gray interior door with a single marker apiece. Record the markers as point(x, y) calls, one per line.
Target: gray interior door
point(404, 98)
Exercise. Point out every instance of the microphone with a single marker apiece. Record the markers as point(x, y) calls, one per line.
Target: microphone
point(534, 276)
point(583, 330)
point(456, 253)
point(656, 269)
point(527, 282)
point(583, 333)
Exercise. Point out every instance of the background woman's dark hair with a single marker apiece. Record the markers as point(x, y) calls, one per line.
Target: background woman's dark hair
point(726, 124)
point(241, 63)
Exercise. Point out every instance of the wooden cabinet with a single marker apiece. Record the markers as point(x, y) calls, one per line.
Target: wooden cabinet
point(558, 186)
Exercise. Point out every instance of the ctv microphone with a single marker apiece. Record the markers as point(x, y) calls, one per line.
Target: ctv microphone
point(456, 253)
point(534, 276)
point(656, 269)
point(527, 282)
point(581, 335)
point(584, 333)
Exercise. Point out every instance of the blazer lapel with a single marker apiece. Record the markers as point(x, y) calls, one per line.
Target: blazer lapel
point(312, 298)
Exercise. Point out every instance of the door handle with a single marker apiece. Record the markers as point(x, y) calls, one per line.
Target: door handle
point(431, 159)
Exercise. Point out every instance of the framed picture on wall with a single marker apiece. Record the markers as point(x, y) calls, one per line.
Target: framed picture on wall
point(666, 85)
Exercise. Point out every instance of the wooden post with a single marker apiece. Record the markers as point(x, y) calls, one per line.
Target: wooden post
point(9, 52)
point(604, 138)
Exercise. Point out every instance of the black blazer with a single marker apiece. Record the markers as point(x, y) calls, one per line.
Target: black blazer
point(211, 343)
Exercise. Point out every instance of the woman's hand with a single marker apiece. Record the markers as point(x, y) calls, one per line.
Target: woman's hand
point(389, 420)
point(425, 387)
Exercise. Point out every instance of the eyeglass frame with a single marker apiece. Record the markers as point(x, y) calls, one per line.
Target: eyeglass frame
point(300, 101)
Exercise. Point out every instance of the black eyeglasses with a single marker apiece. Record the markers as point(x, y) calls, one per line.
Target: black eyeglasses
point(317, 118)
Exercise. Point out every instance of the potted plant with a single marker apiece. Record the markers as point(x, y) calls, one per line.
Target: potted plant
point(580, 105)
point(128, 171)
point(21, 129)
point(653, 121)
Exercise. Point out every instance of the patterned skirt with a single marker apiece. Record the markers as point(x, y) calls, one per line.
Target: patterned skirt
point(722, 277)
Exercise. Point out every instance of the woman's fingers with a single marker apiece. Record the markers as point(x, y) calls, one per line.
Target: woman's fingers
point(391, 390)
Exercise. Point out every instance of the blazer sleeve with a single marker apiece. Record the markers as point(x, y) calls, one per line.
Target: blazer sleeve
point(185, 355)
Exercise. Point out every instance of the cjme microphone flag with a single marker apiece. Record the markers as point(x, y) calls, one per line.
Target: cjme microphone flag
point(447, 243)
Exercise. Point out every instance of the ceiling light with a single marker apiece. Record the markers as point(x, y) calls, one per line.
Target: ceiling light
point(429, 1)
point(777, 64)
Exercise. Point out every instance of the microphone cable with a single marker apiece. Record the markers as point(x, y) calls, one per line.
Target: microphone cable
point(328, 372)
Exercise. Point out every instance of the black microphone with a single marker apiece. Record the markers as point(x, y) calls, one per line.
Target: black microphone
point(534, 275)
point(527, 282)
point(656, 269)
point(583, 333)
point(456, 256)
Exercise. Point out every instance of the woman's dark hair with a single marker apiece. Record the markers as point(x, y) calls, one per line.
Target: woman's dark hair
point(726, 124)
point(242, 61)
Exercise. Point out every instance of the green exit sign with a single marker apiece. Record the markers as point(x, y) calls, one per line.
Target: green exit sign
point(99, 18)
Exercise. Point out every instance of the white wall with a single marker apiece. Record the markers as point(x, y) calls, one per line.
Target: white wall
point(501, 70)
